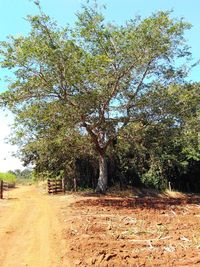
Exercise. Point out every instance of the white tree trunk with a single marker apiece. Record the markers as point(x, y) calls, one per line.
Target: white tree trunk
point(103, 174)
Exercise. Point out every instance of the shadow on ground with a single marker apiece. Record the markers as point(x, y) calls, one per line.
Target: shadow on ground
point(139, 202)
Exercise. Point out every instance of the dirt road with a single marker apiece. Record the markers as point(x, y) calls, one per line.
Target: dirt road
point(30, 232)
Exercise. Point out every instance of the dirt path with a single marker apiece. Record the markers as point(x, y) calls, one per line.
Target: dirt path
point(30, 232)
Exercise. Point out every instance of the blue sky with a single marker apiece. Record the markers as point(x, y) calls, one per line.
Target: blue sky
point(12, 22)
point(13, 13)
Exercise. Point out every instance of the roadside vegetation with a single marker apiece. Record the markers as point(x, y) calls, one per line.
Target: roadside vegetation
point(17, 176)
point(8, 177)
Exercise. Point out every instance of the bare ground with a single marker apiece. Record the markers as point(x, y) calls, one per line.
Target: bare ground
point(38, 230)
point(30, 232)
point(142, 231)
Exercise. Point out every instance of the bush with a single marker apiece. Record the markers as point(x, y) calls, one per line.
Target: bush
point(153, 179)
point(8, 177)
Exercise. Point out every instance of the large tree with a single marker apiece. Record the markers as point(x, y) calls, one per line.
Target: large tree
point(98, 71)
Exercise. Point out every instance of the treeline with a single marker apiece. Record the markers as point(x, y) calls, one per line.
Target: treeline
point(156, 157)
point(25, 174)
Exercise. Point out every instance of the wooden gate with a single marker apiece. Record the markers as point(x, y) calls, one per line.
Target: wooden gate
point(56, 186)
point(3, 187)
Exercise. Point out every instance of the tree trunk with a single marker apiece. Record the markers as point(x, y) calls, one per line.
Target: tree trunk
point(103, 174)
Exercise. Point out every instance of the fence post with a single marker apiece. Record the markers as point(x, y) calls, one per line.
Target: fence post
point(49, 185)
point(170, 188)
point(63, 185)
point(1, 189)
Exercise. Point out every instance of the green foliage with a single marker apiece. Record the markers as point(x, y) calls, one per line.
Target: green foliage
point(153, 178)
point(25, 174)
point(8, 177)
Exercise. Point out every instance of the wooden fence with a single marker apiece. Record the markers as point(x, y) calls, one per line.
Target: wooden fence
point(56, 186)
point(3, 187)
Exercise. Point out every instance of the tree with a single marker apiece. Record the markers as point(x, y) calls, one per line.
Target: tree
point(49, 140)
point(97, 70)
point(166, 148)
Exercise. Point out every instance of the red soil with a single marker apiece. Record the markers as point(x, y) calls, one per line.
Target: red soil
point(149, 231)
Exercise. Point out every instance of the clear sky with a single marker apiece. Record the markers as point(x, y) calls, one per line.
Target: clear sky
point(12, 22)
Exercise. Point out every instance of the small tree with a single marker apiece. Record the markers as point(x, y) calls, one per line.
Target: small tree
point(97, 70)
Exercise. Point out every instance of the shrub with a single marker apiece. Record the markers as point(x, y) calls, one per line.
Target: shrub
point(8, 177)
point(154, 179)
